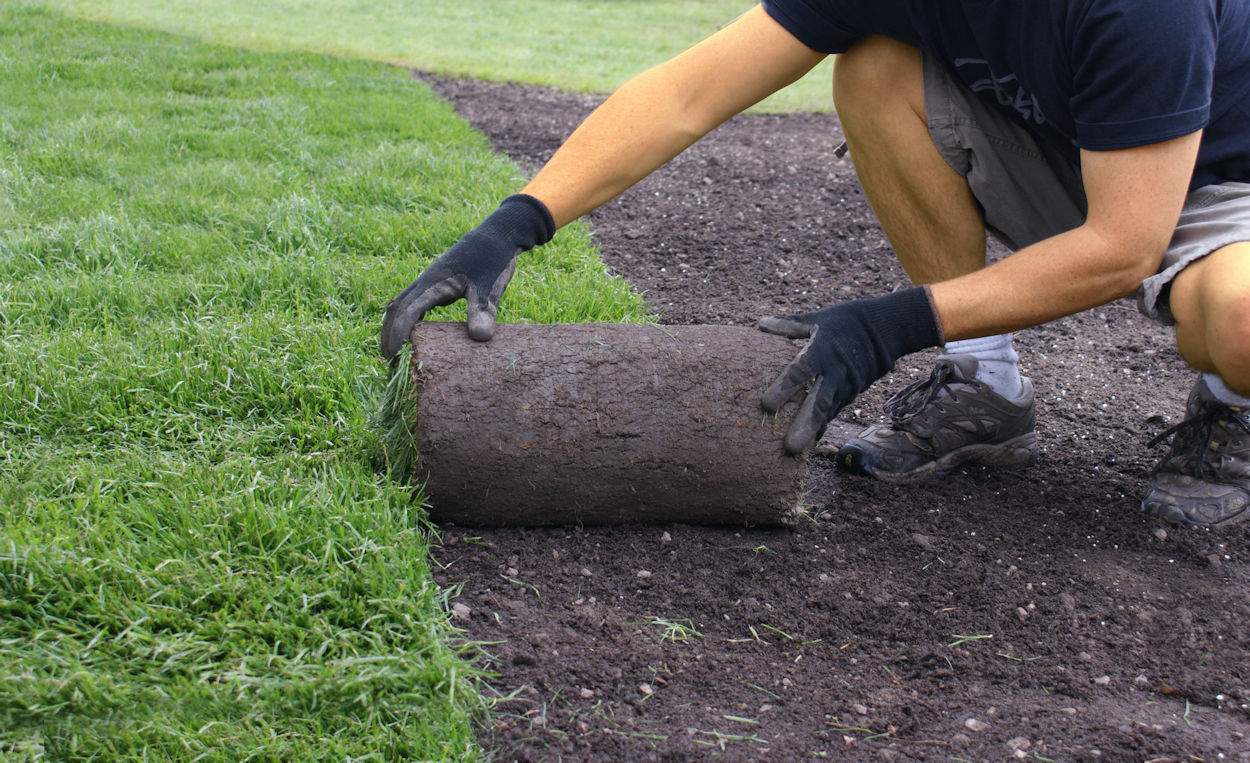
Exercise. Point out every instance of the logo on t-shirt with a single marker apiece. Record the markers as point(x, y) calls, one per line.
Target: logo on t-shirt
point(977, 75)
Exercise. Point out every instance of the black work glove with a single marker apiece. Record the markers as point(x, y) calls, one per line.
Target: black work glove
point(477, 268)
point(850, 346)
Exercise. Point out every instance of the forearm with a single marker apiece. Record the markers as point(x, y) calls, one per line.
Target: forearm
point(640, 127)
point(659, 113)
point(1135, 197)
point(1058, 276)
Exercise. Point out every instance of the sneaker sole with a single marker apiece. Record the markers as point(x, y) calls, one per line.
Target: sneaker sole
point(1181, 510)
point(1016, 453)
point(1177, 516)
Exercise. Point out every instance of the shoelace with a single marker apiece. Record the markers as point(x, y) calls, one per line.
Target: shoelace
point(906, 403)
point(1194, 435)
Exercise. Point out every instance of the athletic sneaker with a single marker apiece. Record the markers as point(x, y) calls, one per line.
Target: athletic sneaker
point(942, 422)
point(1205, 479)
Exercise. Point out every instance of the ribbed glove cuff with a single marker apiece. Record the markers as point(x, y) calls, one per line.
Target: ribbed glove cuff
point(522, 220)
point(905, 321)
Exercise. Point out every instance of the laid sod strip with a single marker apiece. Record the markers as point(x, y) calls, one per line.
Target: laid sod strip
point(199, 555)
point(582, 45)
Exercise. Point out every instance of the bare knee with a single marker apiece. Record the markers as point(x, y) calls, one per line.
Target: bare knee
point(1211, 303)
point(1230, 353)
point(878, 71)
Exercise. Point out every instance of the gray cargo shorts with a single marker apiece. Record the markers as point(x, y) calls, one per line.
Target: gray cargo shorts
point(1028, 191)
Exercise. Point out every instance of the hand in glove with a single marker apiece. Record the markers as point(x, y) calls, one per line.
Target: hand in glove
point(850, 346)
point(477, 268)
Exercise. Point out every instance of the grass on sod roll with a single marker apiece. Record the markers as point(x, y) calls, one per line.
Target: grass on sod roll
point(199, 553)
point(583, 45)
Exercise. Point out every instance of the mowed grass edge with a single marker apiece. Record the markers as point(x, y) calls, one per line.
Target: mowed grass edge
point(200, 555)
point(581, 45)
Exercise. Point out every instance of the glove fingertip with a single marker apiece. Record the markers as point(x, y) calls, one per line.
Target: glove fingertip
point(774, 324)
point(775, 397)
point(799, 438)
point(389, 339)
point(785, 325)
point(392, 343)
point(481, 326)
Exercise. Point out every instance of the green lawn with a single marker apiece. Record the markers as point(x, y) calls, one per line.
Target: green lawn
point(200, 556)
point(587, 45)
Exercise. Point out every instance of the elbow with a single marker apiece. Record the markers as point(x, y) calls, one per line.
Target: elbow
point(1131, 260)
point(669, 103)
point(1137, 269)
point(1126, 280)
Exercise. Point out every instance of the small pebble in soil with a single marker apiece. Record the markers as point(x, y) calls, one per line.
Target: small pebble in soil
point(644, 574)
point(1161, 534)
point(666, 538)
point(859, 708)
point(645, 689)
point(1019, 743)
point(974, 724)
point(1103, 680)
point(587, 693)
point(460, 611)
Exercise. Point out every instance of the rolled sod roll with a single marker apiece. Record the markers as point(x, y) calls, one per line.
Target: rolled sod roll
point(602, 423)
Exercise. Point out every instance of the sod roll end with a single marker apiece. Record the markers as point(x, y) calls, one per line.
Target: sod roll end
point(601, 424)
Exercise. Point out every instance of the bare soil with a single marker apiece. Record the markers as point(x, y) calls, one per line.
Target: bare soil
point(989, 616)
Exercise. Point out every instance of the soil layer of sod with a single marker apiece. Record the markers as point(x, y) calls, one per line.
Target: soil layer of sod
point(988, 616)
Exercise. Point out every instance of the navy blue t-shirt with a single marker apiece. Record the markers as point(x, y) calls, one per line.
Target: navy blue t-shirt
point(1092, 74)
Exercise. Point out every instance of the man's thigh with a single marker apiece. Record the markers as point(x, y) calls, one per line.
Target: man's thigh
point(1026, 189)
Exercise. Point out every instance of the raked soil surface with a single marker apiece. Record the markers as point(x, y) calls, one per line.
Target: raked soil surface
point(1032, 614)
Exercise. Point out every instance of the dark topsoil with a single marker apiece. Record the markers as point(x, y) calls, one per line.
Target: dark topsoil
point(989, 616)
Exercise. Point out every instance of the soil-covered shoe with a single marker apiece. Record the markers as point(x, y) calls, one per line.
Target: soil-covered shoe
point(1205, 478)
point(942, 422)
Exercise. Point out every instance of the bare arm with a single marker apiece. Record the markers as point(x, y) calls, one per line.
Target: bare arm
point(648, 121)
point(1135, 197)
point(662, 111)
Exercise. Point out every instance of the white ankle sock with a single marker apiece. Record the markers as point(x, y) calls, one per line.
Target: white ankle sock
point(1223, 393)
point(997, 362)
